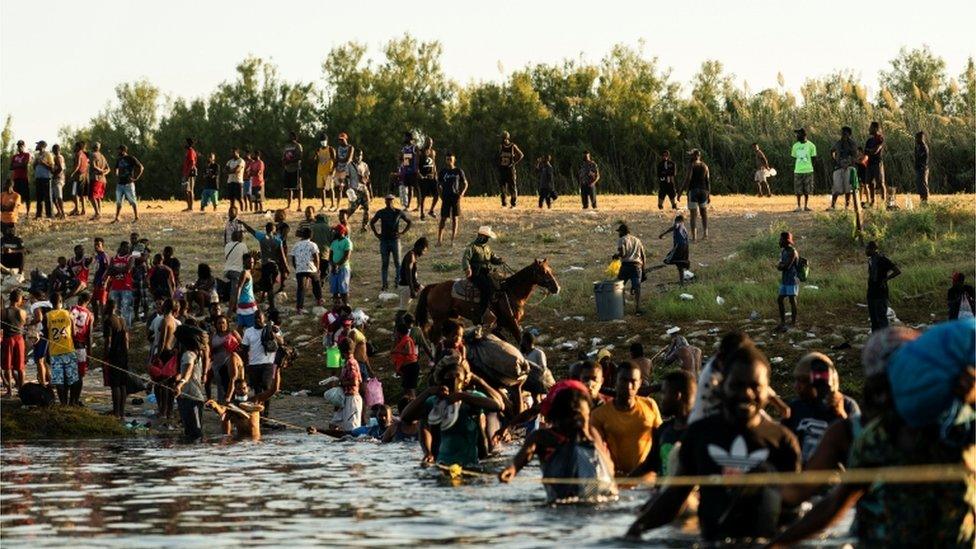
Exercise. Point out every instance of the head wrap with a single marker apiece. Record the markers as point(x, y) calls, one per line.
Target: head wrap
point(566, 384)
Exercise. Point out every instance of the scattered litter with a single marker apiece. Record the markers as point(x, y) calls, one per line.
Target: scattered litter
point(811, 287)
point(754, 315)
point(568, 345)
point(329, 380)
point(596, 341)
point(811, 334)
point(713, 330)
point(303, 392)
point(359, 317)
point(776, 360)
point(673, 330)
point(731, 256)
point(750, 215)
point(579, 318)
point(700, 264)
point(572, 269)
point(168, 230)
point(749, 281)
point(863, 305)
point(891, 314)
point(686, 297)
point(720, 300)
point(689, 275)
point(388, 296)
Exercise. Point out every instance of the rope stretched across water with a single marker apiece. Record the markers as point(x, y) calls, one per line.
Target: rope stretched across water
point(903, 474)
point(151, 382)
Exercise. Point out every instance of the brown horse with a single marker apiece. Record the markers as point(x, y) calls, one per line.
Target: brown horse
point(435, 304)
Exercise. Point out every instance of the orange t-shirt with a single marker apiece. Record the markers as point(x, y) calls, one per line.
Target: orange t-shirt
point(628, 434)
point(11, 203)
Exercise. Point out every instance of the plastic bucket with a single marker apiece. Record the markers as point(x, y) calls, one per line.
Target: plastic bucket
point(609, 296)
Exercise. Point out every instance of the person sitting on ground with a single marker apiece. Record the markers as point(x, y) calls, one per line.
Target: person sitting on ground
point(628, 424)
point(242, 416)
point(819, 402)
point(739, 440)
point(677, 396)
point(568, 448)
point(453, 404)
point(961, 298)
point(927, 421)
point(678, 256)
point(382, 421)
point(689, 356)
point(399, 430)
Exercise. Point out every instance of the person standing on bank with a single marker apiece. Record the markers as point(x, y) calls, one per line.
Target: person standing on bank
point(880, 271)
point(804, 152)
point(921, 167)
point(19, 164)
point(698, 185)
point(763, 171)
point(589, 175)
point(451, 185)
point(428, 177)
point(189, 173)
point(630, 252)
point(875, 179)
point(291, 159)
point(389, 236)
point(407, 171)
point(508, 156)
point(789, 285)
point(325, 157)
point(236, 167)
point(844, 154)
point(128, 169)
point(547, 189)
point(43, 173)
point(666, 172)
point(79, 179)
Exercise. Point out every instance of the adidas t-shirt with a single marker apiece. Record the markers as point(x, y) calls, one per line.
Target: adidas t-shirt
point(715, 446)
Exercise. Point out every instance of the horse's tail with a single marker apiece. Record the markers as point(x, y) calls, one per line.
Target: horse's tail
point(422, 317)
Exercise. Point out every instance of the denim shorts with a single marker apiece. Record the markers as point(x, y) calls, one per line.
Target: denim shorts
point(247, 188)
point(339, 281)
point(126, 192)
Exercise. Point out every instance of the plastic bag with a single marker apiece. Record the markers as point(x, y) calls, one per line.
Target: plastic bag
point(374, 392)
point(613, 269)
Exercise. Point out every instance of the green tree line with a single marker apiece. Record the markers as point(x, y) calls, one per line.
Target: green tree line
point(625, 109)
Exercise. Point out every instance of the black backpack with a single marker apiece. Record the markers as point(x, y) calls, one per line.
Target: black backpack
point(268, 339)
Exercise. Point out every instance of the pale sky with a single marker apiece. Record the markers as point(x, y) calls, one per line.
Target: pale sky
point(61, 59)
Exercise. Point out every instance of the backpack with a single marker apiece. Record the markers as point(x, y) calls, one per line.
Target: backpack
point(268, 339)
point(802, 268)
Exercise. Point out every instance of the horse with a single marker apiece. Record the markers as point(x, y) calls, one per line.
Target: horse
point(435, 304)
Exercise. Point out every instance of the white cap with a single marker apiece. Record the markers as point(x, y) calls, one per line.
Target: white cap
point(485, 230)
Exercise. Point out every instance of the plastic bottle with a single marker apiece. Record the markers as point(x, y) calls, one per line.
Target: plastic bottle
point(332, 357)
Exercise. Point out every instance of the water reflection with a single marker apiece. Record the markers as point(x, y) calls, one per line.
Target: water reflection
point(290, 489)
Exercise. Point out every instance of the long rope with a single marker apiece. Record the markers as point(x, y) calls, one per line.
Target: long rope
point(905, 474)
point(152, 382)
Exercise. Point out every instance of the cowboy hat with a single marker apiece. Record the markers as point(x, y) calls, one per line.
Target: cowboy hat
point(485, 230)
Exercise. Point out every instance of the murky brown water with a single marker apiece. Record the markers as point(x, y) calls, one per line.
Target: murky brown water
point(288, 490)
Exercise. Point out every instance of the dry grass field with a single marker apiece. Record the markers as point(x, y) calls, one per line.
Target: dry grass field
point(736, 263)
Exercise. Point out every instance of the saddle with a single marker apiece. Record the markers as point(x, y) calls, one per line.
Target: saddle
point(464, 290)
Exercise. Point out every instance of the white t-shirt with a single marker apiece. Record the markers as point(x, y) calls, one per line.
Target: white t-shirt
point(234, 256)
point(538, 356)
point(304, 253)
point(235, 170)
point(255, 349)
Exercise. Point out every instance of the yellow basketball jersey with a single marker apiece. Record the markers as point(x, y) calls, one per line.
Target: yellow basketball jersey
point(59, 324)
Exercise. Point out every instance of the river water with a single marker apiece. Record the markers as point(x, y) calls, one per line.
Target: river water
point(289, 489)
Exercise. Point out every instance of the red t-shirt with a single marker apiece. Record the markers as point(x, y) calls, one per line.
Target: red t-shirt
point(189, 162)
point(81, 318)
point(19, 163)
point(81, 166)
point(121, 281)
point(79, 268)
point(404, 352)
point(255, 171)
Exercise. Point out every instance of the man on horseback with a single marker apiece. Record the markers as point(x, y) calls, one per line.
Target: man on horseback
point(478, 262)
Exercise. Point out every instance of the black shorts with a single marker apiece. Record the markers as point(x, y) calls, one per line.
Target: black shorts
point(22, 187)
point(259, 376)
point(450, 207)
point(293, 180)
point(876, 175)
point(506, 176)
point(235, 191)
point(409, 375)
point(79, 189)
point(428, 187)
point(699, 197)
point(410, 179)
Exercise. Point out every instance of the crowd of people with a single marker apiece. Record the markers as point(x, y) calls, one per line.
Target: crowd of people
point(219, 343)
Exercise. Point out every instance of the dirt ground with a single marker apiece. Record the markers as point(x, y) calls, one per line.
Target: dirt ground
point(578, 245)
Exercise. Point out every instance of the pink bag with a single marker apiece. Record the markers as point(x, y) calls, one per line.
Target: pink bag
point(374, 392)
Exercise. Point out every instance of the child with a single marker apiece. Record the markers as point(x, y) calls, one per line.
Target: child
point(211, 182)
point(241, 416)
point(350, 416)
point(452, 341)
point(568, 448)
point(404, 357)
point(678, 256)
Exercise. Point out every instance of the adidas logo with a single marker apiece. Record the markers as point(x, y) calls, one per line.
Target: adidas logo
point(738, 459)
